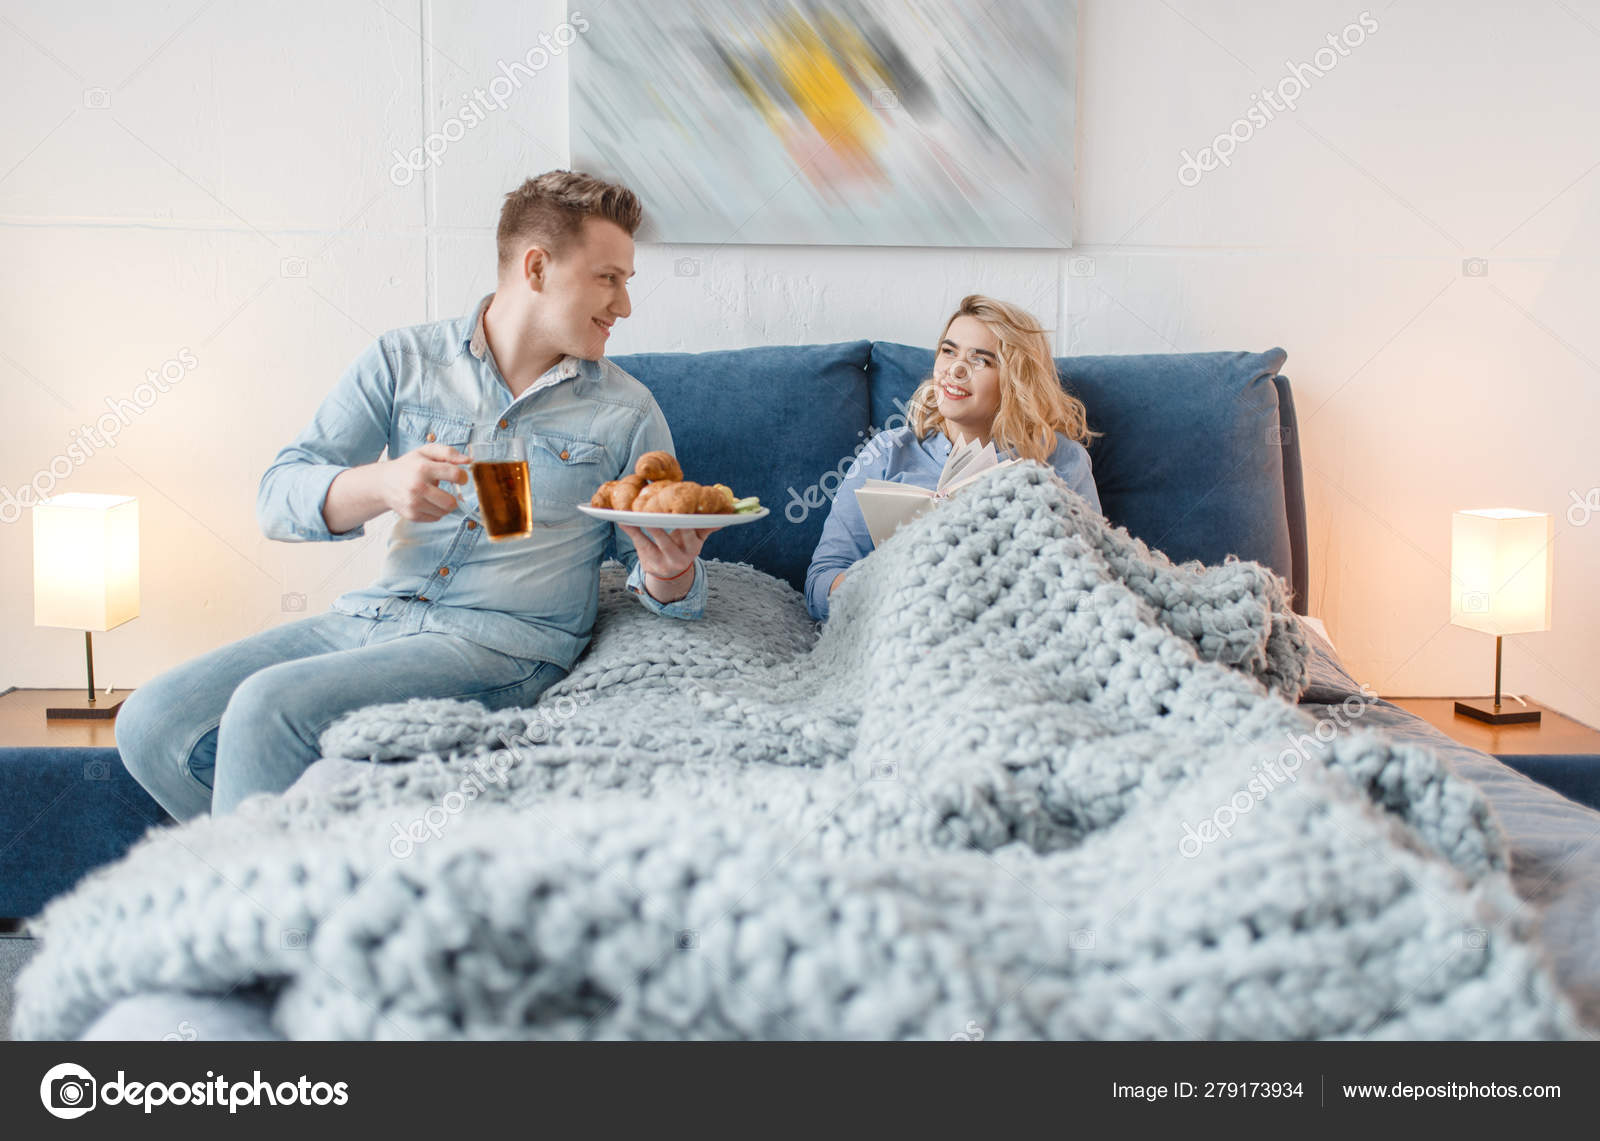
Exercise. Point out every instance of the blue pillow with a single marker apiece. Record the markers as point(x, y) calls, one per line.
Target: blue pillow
point(1192, 457)
point(772, 422)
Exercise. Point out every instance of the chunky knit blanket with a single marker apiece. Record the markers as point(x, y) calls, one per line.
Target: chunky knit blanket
point(1033, 780)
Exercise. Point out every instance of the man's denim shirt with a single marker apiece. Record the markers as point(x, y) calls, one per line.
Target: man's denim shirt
point(585, 422)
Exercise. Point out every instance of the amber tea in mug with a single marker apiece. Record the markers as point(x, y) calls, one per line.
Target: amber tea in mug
point(500, 475)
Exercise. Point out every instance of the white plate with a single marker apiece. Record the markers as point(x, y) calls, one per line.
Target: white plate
point(670, 520)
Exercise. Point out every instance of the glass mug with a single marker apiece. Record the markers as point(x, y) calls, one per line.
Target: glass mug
point(500, 477)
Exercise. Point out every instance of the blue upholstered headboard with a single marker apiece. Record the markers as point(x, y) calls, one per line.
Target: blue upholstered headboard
point(1199, 455)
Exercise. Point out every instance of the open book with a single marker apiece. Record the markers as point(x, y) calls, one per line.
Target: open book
point(885, 505)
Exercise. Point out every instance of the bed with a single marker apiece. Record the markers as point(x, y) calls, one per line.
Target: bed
point(1199, 458)
point(1555, 842)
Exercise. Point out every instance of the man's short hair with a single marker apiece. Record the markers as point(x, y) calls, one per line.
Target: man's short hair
point(549, 210)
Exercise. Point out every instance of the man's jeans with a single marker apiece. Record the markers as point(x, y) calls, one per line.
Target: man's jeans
point(245, 719)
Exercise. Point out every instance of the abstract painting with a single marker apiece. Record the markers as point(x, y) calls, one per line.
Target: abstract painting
point(833, 122)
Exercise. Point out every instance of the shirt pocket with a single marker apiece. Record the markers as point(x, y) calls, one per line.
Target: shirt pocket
point(564, 471)
point(415, 426)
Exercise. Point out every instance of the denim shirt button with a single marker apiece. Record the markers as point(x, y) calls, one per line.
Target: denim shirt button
point(444, 571)
point(471, 525)
point(432, 437)
point(505, 424)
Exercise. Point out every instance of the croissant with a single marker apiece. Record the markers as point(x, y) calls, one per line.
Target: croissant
point(681, 497)
point(618, 493)
point(647, 496)
point(626, 491)
point(672, 496)
point(714, 500)
point(668, 494)
point(658, 465)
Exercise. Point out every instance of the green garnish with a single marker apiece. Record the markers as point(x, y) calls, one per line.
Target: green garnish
point(746, 505)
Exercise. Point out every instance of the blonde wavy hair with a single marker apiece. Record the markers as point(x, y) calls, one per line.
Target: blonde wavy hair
point(1034, 407)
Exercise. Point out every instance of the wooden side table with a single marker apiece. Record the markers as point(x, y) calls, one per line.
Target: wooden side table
point(23, 723)
point(1558, 751)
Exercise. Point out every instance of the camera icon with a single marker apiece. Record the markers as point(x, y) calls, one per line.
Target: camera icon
point(1278, 435)
point(686, 267)
point(292, 267)
point(68, 1091)
point(1081, 940)
point(1474, 938)
point(885, 770)
point(72, 1093)
point(293, 602)
point(885, 98)
point(1475, 602)
point(295, 939)
point(1475, 267)
point(688, 940)
point(97, 99)
point(96, 770)
point(1080, 266)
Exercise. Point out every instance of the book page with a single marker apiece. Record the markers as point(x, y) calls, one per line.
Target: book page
point(886, 505)
point(892, 486)
point(974, 459)
point(884, 511)
point(960, 483)
point(957, 462)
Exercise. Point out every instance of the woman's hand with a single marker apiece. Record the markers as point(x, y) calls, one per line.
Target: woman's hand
point(665, 557)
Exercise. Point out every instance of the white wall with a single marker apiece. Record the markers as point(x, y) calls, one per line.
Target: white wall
point(236, 137)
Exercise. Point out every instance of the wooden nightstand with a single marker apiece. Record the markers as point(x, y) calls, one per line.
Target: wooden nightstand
point(1558, 751)
point(23, 723)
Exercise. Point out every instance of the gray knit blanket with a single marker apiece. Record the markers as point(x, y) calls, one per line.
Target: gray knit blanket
point(1032, 780)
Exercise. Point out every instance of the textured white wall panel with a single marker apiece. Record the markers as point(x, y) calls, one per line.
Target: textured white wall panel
point(234, 190)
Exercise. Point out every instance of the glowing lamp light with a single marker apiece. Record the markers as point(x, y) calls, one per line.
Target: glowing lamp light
point(1502, 568)
point(86, 575)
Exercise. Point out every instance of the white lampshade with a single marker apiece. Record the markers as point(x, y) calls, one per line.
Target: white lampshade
point(1502, 566)
point(86, 561)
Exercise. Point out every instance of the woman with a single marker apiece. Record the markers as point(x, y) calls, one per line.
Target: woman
point(994, 381)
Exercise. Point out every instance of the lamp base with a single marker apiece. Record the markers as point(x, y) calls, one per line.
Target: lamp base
point(1492, 714)
point(102, 709)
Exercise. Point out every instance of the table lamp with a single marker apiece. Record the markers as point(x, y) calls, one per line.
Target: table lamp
point(86, 576)
point(1501, 570)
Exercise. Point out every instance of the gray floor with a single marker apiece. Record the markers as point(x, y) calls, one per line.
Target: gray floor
point(14, 951)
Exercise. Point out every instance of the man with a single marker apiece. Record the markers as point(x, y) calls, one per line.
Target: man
point(452, 615)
